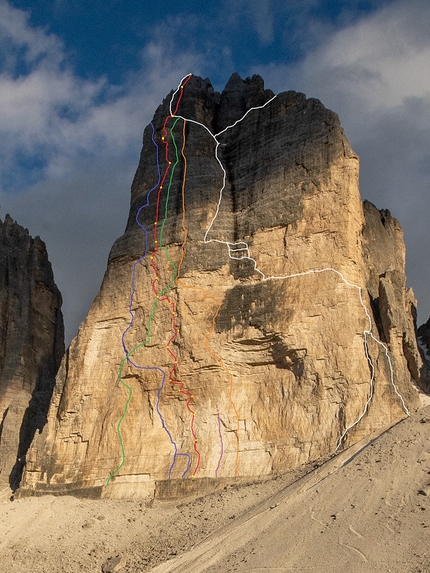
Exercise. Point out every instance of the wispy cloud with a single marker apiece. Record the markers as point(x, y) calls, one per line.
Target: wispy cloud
point(80, 138)
point(69, 146)
point(44, 108)
point(375, 73)
point(262, 16)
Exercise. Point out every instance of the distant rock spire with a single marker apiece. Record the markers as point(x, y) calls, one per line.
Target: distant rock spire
point(31, 343)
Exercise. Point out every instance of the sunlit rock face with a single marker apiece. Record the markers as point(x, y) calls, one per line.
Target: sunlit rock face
point(31, 344)
point(253, 316)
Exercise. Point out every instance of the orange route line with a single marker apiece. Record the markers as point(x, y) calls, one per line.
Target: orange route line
point(154, 282)
point(207, 296)
point(177, 382)
point(175, 360)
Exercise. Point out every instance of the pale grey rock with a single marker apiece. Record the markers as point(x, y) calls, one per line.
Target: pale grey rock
point(277, 368)
point(31, 344)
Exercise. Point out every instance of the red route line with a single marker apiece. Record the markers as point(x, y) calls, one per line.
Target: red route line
point(182, 256)
point(154, 282)
point(219, 303)
point(169, 163)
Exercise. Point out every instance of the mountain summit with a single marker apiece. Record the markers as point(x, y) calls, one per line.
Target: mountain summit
point(254, 315)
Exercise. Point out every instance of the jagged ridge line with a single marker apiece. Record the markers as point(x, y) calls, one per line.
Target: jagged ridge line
point(214, 137)
point(246, 248)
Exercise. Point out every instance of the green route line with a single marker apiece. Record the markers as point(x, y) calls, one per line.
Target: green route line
point(166, 204)
point(151, 317)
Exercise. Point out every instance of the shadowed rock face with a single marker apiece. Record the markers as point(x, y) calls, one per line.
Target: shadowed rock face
point(393, 305)
point(424, 339)
point(260, 323)
point(31, 344)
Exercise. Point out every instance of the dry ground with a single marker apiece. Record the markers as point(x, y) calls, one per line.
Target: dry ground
point(367, 514)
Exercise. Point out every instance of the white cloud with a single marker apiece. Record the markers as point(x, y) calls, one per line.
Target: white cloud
point(86, 134)
point(82, 139)
point(66, 145)
point(15, 30)
point(49, 112)
point(262, 16)
point(375, 63)
point(375, 74)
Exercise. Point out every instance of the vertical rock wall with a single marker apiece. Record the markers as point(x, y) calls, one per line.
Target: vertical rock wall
point(393, 304)
point(424, 342)
point(31, 344)
point(252, 317)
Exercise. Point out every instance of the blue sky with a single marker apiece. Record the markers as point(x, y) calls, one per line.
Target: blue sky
point(80, 80)
point(106, 37)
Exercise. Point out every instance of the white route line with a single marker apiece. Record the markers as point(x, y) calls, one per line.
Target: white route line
point(243, 247)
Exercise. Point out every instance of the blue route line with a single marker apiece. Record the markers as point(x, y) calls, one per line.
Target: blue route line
point(133, 275)
point(130, 308)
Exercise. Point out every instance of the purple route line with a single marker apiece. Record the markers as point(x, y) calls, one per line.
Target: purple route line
point(176, 454)
point(163, 379)
point(133, 274)
point(130, 309)
point(221, 441)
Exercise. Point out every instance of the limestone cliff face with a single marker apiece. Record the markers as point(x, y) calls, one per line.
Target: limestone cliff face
point(424, 337)
point(424, 340)
point(393, 305)
point(31, 343)
point(253, 316)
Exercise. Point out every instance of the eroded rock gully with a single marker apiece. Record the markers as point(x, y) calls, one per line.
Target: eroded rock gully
point(256, 322)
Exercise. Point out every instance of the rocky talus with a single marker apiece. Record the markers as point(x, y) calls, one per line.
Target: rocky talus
point(253, 316)
point(31, 344)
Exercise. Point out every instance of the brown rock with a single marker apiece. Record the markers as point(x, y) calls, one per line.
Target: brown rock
point(113, 564)
point(283, 305)
point(424, 344)
point(424, 338)
point(31, 344)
